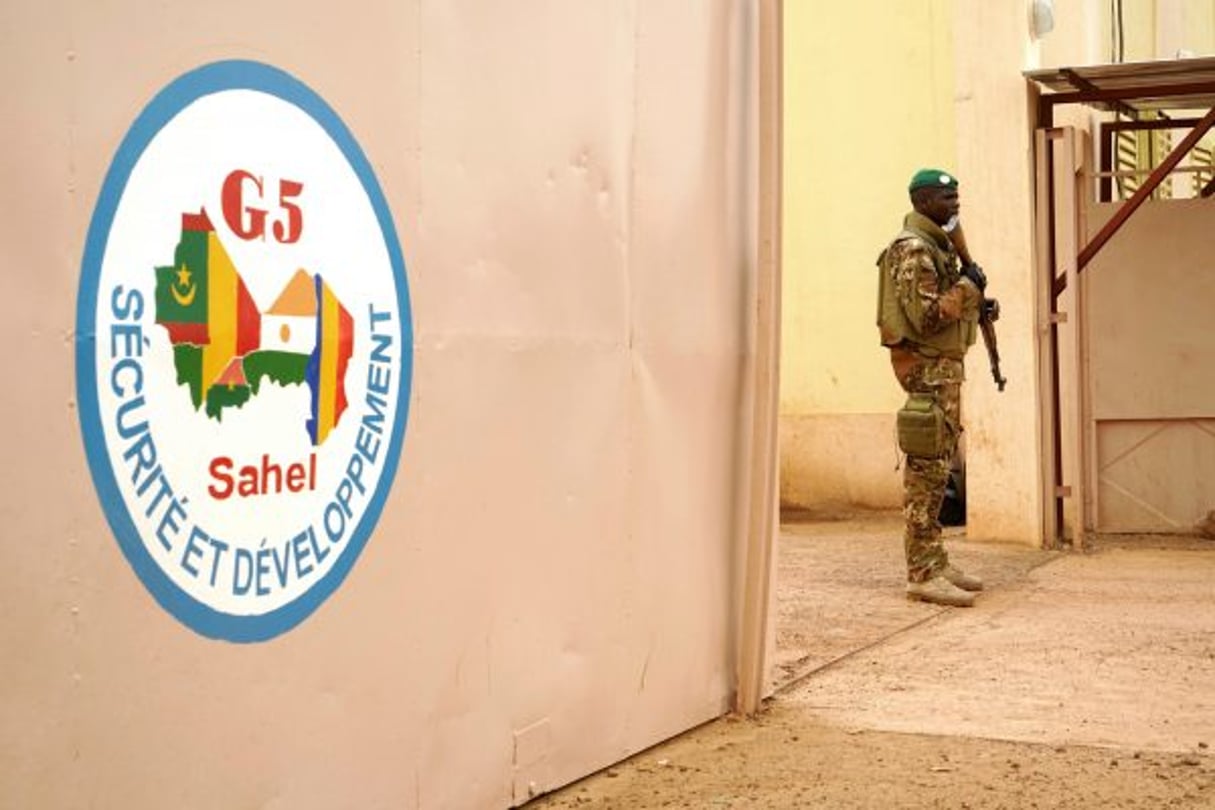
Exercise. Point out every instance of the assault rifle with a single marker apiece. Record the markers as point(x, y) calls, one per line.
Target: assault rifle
point(989, 312)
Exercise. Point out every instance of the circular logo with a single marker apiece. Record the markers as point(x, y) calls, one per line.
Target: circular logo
point(244, 350)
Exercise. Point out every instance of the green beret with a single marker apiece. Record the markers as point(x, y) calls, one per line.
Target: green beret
point(934, 178)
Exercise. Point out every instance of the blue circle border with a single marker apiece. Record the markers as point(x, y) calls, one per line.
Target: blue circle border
point(206, 80)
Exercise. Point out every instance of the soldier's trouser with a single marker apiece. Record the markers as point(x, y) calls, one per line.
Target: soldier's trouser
point(925, 478)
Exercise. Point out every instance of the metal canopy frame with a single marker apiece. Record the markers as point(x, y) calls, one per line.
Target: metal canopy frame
point(1130, 90)
point(1176, 84)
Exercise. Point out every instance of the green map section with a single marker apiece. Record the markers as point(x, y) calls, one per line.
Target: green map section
point(187, 359)
point(283, 368)
point(224, 396)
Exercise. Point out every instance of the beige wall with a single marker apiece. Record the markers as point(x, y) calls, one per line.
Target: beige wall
point(1003, 451)
point(550, 587)
point(1148, 336)
point(994, 151)
point(836, 429)
point(1197, 27)
point(1155, 29)
point(868, 100)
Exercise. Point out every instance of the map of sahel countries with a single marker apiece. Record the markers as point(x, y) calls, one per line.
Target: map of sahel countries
point(224, 347)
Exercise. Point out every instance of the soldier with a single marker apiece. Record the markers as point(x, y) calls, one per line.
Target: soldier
point(928, 312)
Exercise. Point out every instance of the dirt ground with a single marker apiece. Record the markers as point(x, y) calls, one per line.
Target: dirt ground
point(1080, 680)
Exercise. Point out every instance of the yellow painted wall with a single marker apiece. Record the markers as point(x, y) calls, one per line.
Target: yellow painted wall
point(868, 100)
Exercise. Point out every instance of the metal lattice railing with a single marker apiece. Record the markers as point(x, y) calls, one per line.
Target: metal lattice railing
point(1133, 149)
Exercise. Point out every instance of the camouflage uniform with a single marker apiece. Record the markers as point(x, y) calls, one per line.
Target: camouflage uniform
point(925, 479)
point(922, 268)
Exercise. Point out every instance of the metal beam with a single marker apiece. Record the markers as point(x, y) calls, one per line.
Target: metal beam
point(1144, 191)
point(1162, 123)
point(1046, 112)
point(1084, 84)
point(1132, 93)
point(1048, 356)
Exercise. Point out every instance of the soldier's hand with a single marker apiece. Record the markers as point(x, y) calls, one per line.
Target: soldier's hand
point(976, 275)
point(991, 309)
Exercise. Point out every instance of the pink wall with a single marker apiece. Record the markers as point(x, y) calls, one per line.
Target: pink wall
point(550, 586)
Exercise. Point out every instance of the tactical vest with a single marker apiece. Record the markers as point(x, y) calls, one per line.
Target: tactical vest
point(955, 337)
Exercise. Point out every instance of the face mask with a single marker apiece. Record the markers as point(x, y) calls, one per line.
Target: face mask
point(951, 224)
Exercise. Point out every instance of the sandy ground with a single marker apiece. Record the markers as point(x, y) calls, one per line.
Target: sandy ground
point(1081, 680)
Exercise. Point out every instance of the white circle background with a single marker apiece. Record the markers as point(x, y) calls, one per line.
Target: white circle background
point(182, 171)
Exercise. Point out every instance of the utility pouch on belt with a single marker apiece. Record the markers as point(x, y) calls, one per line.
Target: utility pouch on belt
point(921, 427)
